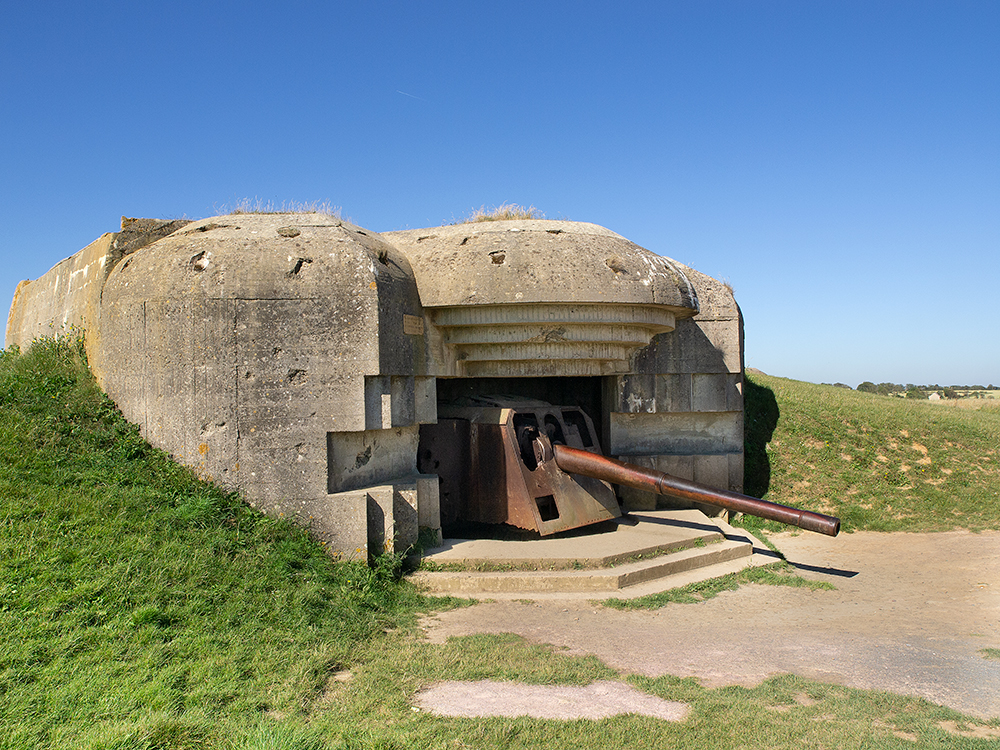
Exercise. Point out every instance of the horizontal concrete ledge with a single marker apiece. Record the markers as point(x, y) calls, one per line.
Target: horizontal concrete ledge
point(684, 549)
point(654, 318)
point(542, 368)
point(580, 581)
point(639, 534)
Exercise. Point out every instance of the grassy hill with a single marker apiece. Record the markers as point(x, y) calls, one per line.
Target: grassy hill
point(141, 609)
point(877, 462)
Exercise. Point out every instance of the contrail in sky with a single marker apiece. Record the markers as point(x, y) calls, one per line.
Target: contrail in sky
point(410, 95)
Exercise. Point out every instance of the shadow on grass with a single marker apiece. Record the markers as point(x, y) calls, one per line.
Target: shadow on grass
point(761, 415)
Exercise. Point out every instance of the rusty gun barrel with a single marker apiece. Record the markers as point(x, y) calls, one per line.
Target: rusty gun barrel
point(574, 461)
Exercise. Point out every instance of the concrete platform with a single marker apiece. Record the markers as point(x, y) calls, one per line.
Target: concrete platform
point(639, 554)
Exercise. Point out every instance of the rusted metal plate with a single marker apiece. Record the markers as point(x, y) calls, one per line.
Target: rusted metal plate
point(444, 450)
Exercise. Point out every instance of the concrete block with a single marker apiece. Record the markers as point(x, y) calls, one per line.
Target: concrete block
point(425, 400)
point(392, 513)
point(65, 297)
point(710, 391)
point(380, 518)
point(635, 393)
point(712, 470)
point(674, 393)
point(399, 401)
point(688, 433)
point(405, 526)
point(694, 347)
point(736, 472)
point(371, 457)
point(403, 411)
point(340, 522)
point(735, 393)
point(428, 502)
point(378, 402)
point(678, 466)
point(725, 337)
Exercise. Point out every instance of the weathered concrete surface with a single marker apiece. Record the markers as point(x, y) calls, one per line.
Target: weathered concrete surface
point(640, 554)
point(681, 408)
point(910, 614)
point(293, 356)
point(63, 299)
point(539, 261)
point(533, 298)
point(252, 338)
point(66, 298)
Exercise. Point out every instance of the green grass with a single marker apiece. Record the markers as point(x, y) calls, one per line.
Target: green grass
point(143, 609)
point(136, 600)
point(783, 712)
point(879, 463)
point(990, 653)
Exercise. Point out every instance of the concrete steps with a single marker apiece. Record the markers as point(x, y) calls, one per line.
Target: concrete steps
point(643, 553)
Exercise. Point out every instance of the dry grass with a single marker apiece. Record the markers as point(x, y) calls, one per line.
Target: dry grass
point(989, 403)
point(259, 206)
point(503, 212)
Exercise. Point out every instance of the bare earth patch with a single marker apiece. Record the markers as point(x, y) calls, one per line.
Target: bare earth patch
point(974, 730)
point(599, 700)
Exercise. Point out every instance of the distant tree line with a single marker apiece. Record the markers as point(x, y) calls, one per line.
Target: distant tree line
point(910, 390)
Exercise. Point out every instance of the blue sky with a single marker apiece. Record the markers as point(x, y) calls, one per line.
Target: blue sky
point(837, 162)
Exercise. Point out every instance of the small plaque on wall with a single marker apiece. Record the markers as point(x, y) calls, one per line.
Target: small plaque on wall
point(413, 325)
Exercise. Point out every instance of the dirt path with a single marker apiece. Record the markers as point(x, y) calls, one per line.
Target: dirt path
point(910, 614)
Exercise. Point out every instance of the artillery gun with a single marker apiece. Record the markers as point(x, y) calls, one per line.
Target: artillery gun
point(526, 463)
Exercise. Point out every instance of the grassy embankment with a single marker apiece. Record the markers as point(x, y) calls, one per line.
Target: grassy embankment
point(140, 608)
point(877, 462)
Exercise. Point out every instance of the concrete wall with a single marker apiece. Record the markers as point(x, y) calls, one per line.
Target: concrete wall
point(294, 356)
point(66, 298)
point(540, 298)
point(256, 347)
point(681, 410)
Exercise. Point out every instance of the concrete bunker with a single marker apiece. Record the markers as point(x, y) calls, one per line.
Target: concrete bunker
point(297, 357)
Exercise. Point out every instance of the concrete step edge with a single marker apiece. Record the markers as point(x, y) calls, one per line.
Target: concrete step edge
point(607, 580)
point(659, 585)
point(616, 560)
